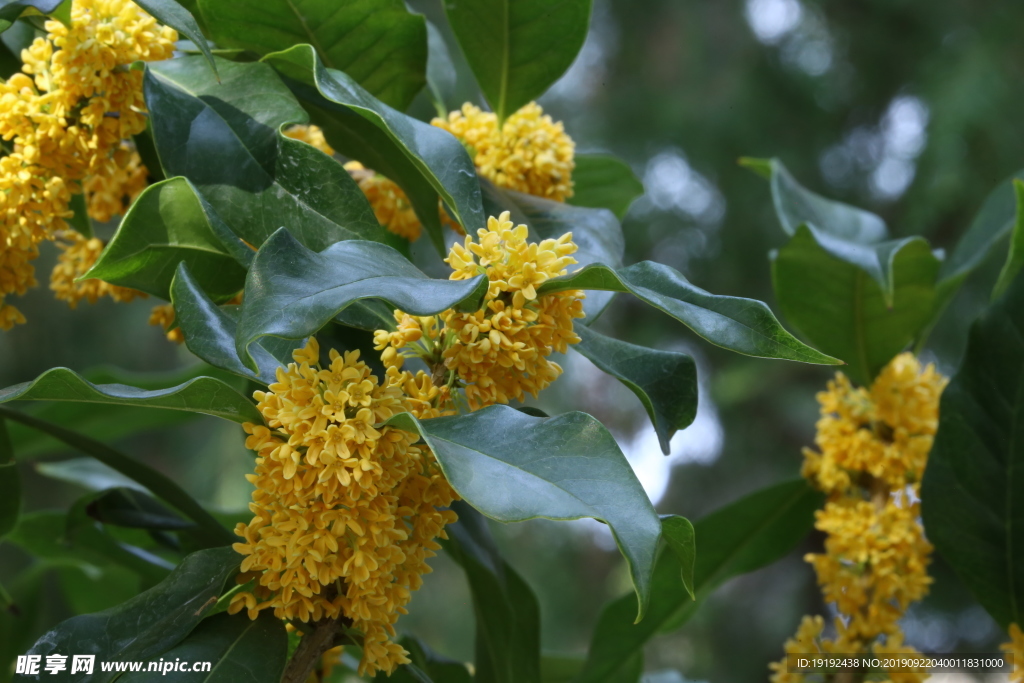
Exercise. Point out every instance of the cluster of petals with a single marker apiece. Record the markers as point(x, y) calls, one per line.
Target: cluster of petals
point(872, 449)
point(527, 153)
point(77, 256)
point(64, 119)
point(346, 513)
point(1015, 648)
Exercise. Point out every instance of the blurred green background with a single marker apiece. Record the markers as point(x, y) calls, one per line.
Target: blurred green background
point(905, 107)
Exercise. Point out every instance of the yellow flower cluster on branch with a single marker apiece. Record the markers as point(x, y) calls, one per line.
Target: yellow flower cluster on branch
point(500, 352)
point(528, 153)
point(346, 513)
point(77, 256)
point(64, 120)
point(109, 195)
point(873, 449)
point(1015, 648)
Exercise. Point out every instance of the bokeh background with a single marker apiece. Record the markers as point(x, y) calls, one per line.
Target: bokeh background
point(909, 108)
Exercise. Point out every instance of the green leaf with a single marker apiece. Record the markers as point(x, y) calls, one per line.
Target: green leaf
point(842, 310)
point(971, 500)
point(292, 292)
point(211, 532)
point(440, 71)
point(80, 222)
point(517, 50)
point(10, 484)
point(795, 205)
point(238, 649)
point(170, 223)
point(424, 160)
point(742, 325)
point(205, 395)
point(379, 43)
point(995, 220)
point(1015, 255)
point(129, 507)
point(506, 610)
point(513, 467)
point(436, 667)
point(225, 137)
point(680, 538)
point(149, 623)
point(170, 13)
point(14, 9)
point(210, 330)
point(741, 537)
point(664, 381)
point(603, 181)
point(87, 473)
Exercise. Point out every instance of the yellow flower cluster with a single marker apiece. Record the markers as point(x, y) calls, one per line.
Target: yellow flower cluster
point(528, 153)
point(163, 316)
point(498, 353)
point(64, 119)
point(77, 256)
point(346, 513)
point(111, 194)
point(873, 448)
point(1015, 648)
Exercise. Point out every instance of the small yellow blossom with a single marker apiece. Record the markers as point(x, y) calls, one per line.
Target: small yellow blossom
point(163, 316)
point(873, 447)
point(78, 255)
point(111, 195)
point(530, 153)
point(346, 512)
point(1015, 648)
point(311, 135)
point(390, 204)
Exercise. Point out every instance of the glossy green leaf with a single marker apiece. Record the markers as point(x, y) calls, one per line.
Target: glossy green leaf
point(742, 325)
point(209, 330)
point(513, 467)
point(424, 160)
point(506, 610)
point(210, 533)
point(292, 292)
point(741, 537)
point(238, 649)
point(842, 310)
point(10, 483)
point(225, 138)
point(971, 500)
point(795, 205)
point(596, 232)
point(517, 50)
point(129, 507)
point(435, 667)
point(680, 538)
point(170, 223)
point(379, 43)
point(149, 623)
point(664, 381)
point(993, 222)
point(205, 395)
point(440, 71)
point(87, 473)
point(171, 13)
point(12, 10)
point(1015, 255)
point(603, 181)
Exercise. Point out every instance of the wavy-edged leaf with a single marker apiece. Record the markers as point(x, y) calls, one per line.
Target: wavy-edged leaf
point(506, 609)
point(292, 292)
point(379, 43)
point(603, 181)
point(971, 494)
point(170, 223)
point(841, 309)
point(424, 160)
point(1015, 254)
point(741, 537)
point(795, 205)
point(148, 624)
point(205, 395)
point(513, 467)
point(518, 49)
point(742, 325)
point(209, 330)
point(170, 13)
point(681, 538)
point(12, 10)
point(10, 484)
point(664, 381)
point(225, 138)
point(239, 650)
point(210, 532)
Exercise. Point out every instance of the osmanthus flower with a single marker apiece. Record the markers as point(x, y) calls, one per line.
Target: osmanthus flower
point(873, 447)
point(528, 153)
point(1015, 648)
point(77, 256)
point(110, 194)
point(500, 352)
point(64, 119)
point(346, 512)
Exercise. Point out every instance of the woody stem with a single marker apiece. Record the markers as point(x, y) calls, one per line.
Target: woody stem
point(313, 645)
